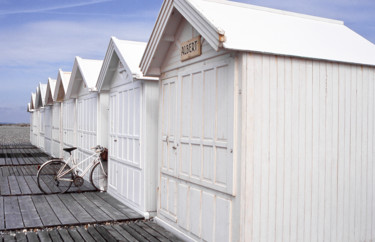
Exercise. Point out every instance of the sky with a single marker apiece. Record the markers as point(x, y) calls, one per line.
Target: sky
point(38, 37)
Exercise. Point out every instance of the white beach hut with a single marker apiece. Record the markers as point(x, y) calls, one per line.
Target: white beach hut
point(133, 119)
point(91, 110)
point(62, 122)
point(48, 112)
point(266, 124)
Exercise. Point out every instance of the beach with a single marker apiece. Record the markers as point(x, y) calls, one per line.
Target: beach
point(14, 133)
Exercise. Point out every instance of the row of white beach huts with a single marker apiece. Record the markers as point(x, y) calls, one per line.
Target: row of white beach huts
point(233, 123)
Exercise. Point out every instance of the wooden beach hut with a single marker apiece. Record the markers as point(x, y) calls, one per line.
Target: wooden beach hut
point(91, 111)
point(266, 124)
point(48, 115)
point(62, 122)
point(132, 136)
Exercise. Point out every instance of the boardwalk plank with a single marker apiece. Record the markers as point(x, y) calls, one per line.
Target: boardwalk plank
point(9, 238)
point(105, 234)
point(21, 237)
point(2, 217)
point(64, 234)
point(6, 171)
point(114, 233)
point(55, 237)
point(32, 185)
point(134, 233)
point(29, 213)
point(13, 218)
point(85, 235)
point(32, 237)
point(23, 185)
point(154, 233)
point(63, 214)
point(46, 214)
point(42, 184)
point(94, 234)
point(130, 213)
point(13, 184)
point(75, 235)
point(162, 231)
point(43, 236)
point(124, 233)
point(80, 213)
point(142, 232)
point(106, 207)
point(91, 208)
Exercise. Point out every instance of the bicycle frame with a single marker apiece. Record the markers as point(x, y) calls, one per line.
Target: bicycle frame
point(73, 168)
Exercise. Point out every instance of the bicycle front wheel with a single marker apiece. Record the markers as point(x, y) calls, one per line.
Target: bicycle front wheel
point(98, 176)
point(49, 180)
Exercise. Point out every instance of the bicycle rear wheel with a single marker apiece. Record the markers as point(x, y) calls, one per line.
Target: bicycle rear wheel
point(98, 176)
point(48, 181)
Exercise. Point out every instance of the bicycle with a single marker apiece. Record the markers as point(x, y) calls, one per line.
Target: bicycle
point(57, 176)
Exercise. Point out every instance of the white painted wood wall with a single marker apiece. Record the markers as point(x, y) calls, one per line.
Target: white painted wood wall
point(41, 129)
point(56, 130)
point(47, 129)
point(307, 163)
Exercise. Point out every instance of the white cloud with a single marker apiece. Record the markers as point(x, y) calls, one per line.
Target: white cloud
point(44, 9)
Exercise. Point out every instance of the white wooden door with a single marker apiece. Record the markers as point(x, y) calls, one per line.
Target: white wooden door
point(196, 157)
point(125, 167)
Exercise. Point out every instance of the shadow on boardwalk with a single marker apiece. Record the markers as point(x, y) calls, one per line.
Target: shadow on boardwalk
point(80, 215)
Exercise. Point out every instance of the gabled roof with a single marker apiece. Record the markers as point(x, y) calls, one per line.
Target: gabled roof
point(85, 70)
point(129, 53)
point(62, 83)
point(32, 101)
point(243, 27)
point(40, 95)
point(51, 84)
point(29, 109)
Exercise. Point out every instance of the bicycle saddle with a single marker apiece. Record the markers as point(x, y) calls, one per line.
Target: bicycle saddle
point(69, 149)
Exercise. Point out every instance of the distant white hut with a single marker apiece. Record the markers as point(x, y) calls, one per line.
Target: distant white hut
point(62, 122)
point(91, 110)
point(48, 111)
point(39, 104)
point(33, 121)
point(30, 110)
point(266, 124)
point(133, 119)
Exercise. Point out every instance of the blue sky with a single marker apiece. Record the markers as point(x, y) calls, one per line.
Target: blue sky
point(38, 37)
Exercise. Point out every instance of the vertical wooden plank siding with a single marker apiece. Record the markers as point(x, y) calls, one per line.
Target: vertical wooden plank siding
point(309, 172)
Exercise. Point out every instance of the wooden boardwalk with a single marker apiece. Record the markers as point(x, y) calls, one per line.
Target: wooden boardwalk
point(82, 214)
point(39, 211)
point(135, 231)
point(21, 156)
